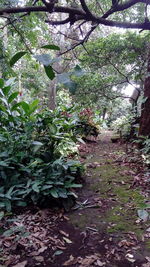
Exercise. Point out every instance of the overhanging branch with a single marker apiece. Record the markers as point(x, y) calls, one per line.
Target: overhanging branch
point(83, 14)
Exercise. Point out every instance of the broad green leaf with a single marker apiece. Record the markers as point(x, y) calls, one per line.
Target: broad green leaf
point(4, 164)
point(52, 47)
point(74, 186)
point(8, 232)
point(35, 187)
point(2, 214)
point(9, 192)
point(4, 101)
point(21, 203)
point(53, 128)
point(63, 78)
point(34, 104)
point(1, 83)
point(45, 59)
point(2, 108)
point(49, 72)
point(72, 86)
point(54, 193)
point(6, 90)
point(44, 187)
point(12, 97)
point(16, 57)
point(7, 204)
point(62, 192)
point(35, 149)
point(37, 143)
point(15, 106)
point(25, 107)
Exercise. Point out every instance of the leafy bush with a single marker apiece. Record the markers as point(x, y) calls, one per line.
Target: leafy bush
point(80, 121)
point(34, 168)
point(122, 126)
point(86, 125)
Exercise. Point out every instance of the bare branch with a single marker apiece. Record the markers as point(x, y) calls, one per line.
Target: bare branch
point(81, 42)
point(121, 7)
point(58, 22)
point(83, 14)
point(86, 9)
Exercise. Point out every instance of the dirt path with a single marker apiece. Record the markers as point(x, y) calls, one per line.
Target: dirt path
point(103, 229)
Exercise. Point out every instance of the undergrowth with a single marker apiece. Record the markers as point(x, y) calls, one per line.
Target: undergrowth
point(39, 151)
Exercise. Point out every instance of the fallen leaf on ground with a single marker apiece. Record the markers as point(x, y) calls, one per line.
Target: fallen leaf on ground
point(130, 257)
point(100, 263)
point(147, 258)
point(39, 258)
point(125, 243)
point(71, 261)
point(67, 240)
point(21, 264)
point(86, 262)
point(146, 264)
point(63, 233)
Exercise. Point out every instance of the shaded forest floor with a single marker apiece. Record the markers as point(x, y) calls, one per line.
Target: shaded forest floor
point(102, 229)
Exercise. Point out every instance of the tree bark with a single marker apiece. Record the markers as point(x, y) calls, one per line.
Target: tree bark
point(145, 115)
point(52, 95)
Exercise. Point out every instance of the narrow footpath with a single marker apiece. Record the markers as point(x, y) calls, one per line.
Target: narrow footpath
point(103, 228)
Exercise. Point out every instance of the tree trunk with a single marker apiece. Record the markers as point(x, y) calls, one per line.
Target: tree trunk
point(145, 115)
point(52, 95)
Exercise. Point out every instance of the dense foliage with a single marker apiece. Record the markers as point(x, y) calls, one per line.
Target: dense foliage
point(39, 150)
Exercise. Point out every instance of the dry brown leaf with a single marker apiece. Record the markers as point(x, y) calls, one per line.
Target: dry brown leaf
point(88, 260)
point(71, 260)
point(66, 218)
point(100, 263)
point(125, 243)
point(146, 264)
point(21, 264)
point(39, 258)
point(63, 233)
point(36, 253)
point(42, 249)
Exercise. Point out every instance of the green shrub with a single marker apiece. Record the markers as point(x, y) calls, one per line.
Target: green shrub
point(34, 168)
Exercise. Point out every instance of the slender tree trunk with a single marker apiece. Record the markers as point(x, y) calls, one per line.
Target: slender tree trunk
point(104, 113)
point(145, 115)
point(52, 95)
point(57, 66)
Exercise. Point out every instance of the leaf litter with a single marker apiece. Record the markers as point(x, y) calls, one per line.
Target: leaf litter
point(47, 238)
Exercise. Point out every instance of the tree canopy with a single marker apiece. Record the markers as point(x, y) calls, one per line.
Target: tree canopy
point(131, 14)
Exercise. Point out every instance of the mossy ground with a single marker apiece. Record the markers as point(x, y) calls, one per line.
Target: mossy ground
point(112, 183)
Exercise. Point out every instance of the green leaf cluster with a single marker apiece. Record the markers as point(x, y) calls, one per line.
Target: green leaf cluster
point(35, 168)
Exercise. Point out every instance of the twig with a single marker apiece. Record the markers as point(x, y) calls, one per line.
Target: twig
point(91, 229)
point(85, 39)
point(21, 36)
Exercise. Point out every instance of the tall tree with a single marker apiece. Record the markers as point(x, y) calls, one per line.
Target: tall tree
point(129, 14)
point(145, 116)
